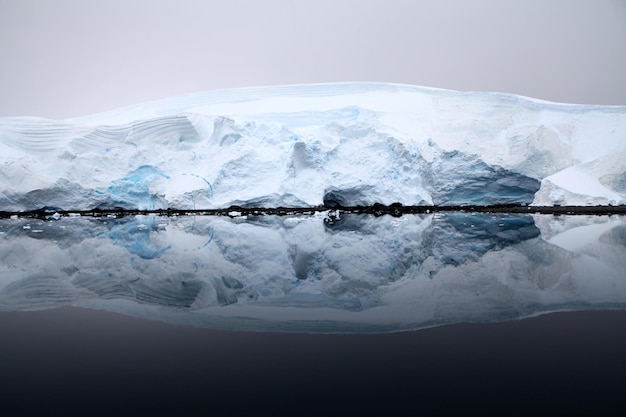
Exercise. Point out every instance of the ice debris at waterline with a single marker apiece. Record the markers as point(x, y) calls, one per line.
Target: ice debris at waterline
point(302, 146)
point(356, 273)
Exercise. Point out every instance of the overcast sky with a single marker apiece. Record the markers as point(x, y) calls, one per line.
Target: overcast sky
point(67, 58)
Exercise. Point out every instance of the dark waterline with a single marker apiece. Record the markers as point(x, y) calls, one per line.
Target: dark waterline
point(72, 361)
point(395, 209)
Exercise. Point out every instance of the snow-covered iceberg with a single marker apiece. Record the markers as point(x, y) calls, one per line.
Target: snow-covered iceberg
point(348, 144)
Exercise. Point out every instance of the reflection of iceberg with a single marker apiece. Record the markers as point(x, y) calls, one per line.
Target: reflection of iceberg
point(135, 235)
point(351, 273)
point(480, 233)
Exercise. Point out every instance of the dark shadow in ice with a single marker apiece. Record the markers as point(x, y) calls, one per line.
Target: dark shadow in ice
point(350, 197)
point(63, 195)
point(459, 179)
point(271, 200)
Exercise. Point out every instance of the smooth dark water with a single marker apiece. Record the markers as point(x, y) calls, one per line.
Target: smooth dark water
point(153, 315)
point(71, 361)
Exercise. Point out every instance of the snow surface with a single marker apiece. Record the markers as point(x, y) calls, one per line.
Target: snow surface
point(355, 273)
point(303, 145)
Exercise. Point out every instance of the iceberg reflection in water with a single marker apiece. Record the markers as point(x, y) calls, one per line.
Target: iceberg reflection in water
point(350, 273)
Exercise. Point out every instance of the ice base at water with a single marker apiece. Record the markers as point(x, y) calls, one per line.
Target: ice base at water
point(349, 144)
point(354, 273)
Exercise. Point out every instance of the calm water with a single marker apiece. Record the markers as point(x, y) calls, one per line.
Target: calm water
point(301, 314)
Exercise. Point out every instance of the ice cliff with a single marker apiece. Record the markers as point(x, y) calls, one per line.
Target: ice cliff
point(348, 144)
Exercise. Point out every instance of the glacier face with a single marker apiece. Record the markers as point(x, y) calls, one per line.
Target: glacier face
point(352, 273)
point(348, 144)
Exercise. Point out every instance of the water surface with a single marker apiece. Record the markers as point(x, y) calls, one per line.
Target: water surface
point(325, 273)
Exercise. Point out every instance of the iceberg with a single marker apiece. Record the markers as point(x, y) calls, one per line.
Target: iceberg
point(346, 144)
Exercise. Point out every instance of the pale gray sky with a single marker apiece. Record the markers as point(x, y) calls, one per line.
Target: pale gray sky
point(67, 58)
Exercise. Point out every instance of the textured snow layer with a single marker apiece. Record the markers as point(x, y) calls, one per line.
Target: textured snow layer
point(356, 273)
point(350, 144)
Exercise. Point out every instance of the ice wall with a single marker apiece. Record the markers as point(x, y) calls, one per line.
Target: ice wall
point(349, 144)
